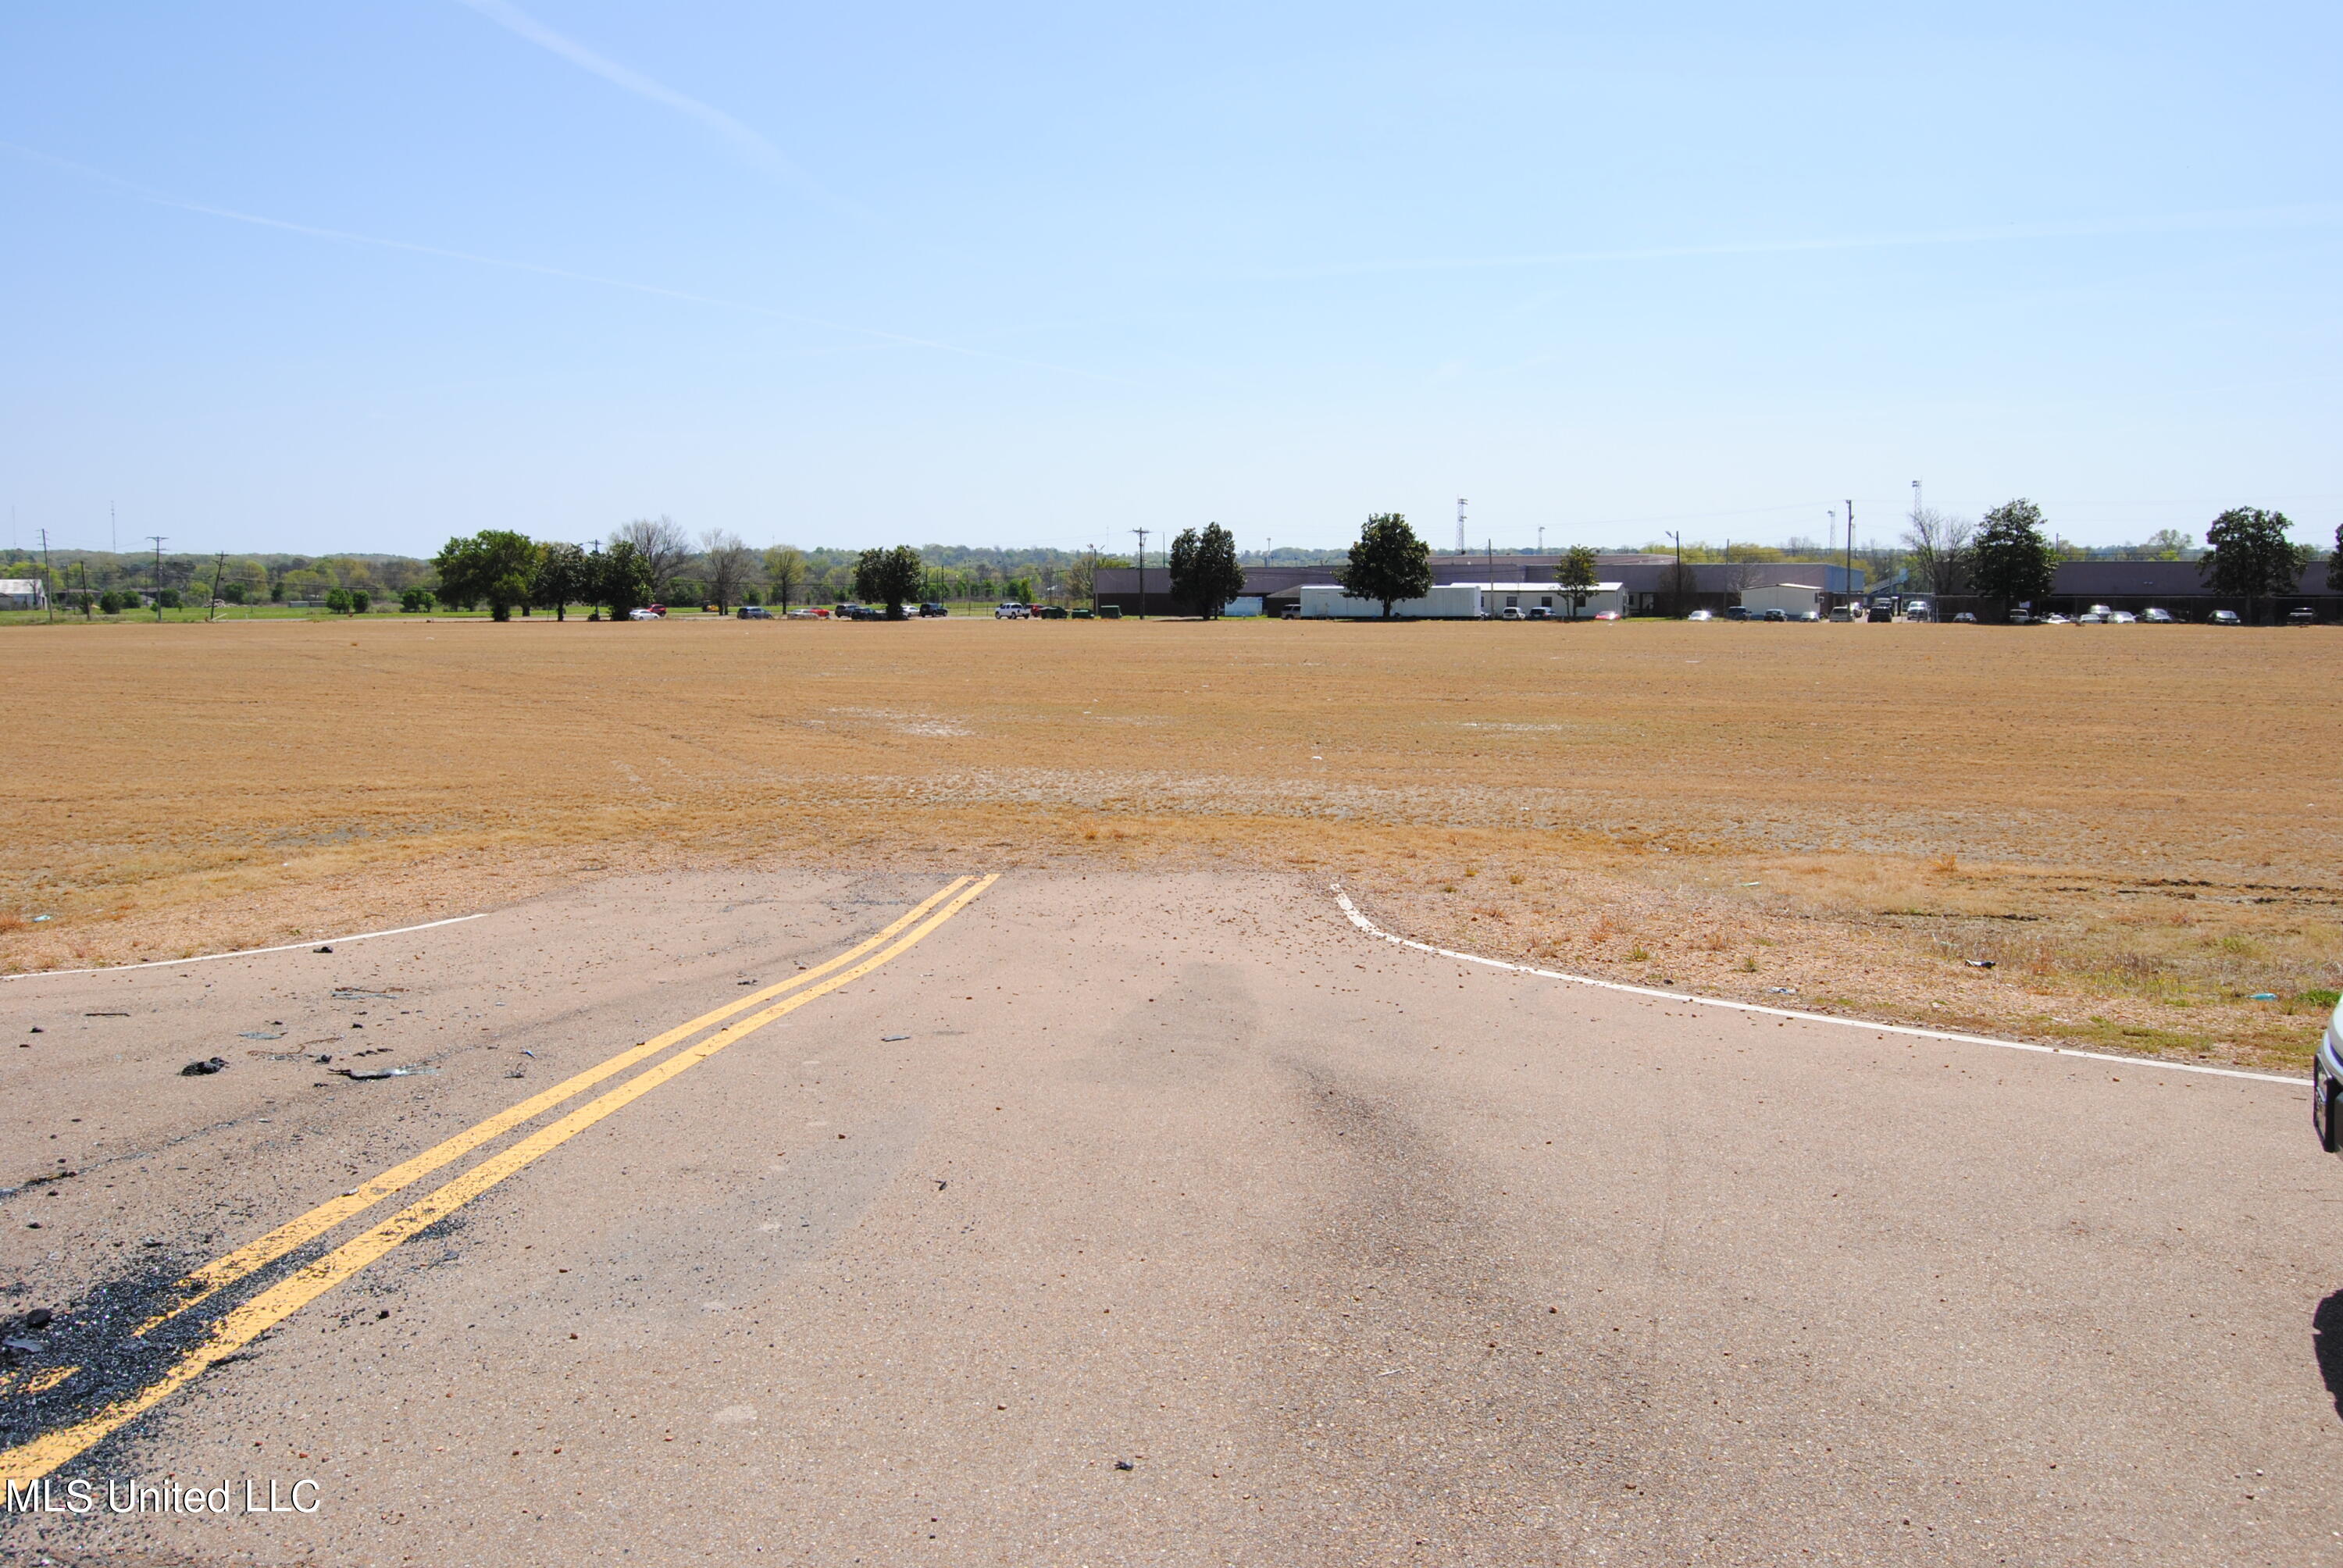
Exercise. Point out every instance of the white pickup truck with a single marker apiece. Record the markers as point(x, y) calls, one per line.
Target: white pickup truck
point(2326, 1083)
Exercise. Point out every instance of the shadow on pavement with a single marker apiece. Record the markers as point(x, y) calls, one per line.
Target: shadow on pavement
point(2326, 1339)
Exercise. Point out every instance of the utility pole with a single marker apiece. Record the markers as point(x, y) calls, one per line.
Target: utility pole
point(158, 540)
point(1850, 546)
point(48, 582)
point(1143, 571)
point(1461, 546)
point(211, 611)
point(1676, 583)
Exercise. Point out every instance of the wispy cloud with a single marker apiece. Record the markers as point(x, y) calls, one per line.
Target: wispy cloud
point(2317, 214)
point(343, 237)
point(748, 143)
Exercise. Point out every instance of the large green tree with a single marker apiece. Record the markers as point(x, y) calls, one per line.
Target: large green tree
point(2248, 554)
point(1204, 571)
point(2010, 561)
point(495, 567)
point(619, 578)
point(785, 573)
point(890, 577)
point(1575, 575)
point(564, 578)
point(1388, 564)
point(2335, 561)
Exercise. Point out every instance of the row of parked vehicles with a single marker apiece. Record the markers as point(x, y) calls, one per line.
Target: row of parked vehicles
point(1921, 611)
point(1007, 610)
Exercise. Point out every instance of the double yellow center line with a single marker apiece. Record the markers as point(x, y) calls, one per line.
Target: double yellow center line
point(241, 1325)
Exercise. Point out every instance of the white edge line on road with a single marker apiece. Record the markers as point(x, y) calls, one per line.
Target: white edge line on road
point(1372, 930)
point(247, 952)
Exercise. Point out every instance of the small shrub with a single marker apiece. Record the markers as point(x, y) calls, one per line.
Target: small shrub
point(1637, 956)
point(414, 600)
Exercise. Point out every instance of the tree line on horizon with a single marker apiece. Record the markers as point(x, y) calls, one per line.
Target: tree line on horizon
point(2008, 557)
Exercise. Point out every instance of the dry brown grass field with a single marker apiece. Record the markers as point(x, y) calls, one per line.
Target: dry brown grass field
point(2134, 825)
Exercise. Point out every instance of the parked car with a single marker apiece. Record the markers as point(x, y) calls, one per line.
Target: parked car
point(1606, 615)
point(1775, 614)
point(2302, 616)
point(2102, 612)
point(1737, 612)
point(2223, 618)
point(755, 612)
point(1812, 614)
point(2326, 1083)
point(1964, 618)
point(805, 612)
point(2055, 619)
point(644, 613)
point(1701, 615)
point(2089, 618)
point(1082, 612)
point(2122, 617)
point(2156, 617)
point(1289, 612)
point(1846, 614)
point(1512, 612)
point(1009, 609)
point(2021, 617)
point(1919, 609)
point(930, 611)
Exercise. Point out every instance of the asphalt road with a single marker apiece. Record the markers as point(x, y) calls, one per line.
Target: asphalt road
point(1126, 1220)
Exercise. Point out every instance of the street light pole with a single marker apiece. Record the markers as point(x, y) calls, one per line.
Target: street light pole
point(158, 540)
point(1143, 571)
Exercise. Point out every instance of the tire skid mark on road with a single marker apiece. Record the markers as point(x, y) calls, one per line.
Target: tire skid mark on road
point(213, 1276)
point(1372, 930)
point(242, 1325)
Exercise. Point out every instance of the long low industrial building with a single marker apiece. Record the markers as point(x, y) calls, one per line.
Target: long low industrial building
point(1464, 601)
point(1647, 584)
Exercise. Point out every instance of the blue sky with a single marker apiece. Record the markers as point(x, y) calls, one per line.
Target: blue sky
point(363, 275)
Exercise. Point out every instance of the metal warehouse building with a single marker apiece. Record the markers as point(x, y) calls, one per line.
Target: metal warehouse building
point(1640, 580)
point(1461, 601)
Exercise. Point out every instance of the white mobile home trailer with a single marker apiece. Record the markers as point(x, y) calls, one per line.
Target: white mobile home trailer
point(23, 593)
point(1463, 601)
point(1797, 599)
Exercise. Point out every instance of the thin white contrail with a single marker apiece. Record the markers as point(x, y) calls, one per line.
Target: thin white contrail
point(2312, 215)
point(345, 236)
point(748, 142)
